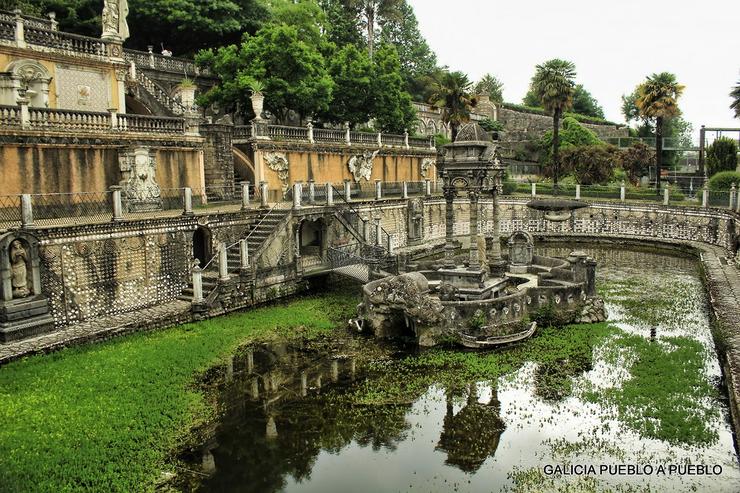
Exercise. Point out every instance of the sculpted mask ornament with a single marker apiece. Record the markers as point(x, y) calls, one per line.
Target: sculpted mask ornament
point(361, 166)
point(142, 192)
point(278, 162)
point(427, 163)
point(19, 270)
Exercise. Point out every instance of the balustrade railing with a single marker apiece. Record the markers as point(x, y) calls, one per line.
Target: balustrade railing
point(393, 140)
point(285, 133)
point(364, 138)
point(160, 94)
point(66, 42)
point(10, 116)
point(151, 124)
point(29, 20)
point(7, 30)
point(329, 135)
point(242, 132)
point(45, 118)
point(175, 65)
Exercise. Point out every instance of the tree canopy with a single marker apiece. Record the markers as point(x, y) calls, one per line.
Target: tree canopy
point(354, 89)
point(453, 95)
point(490, 85)
point(722, 156)
point(393, 111)
point(735, 95)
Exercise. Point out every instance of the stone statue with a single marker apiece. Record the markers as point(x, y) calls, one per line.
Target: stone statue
point(19, 270)
point(114, 19)
point(361, 166)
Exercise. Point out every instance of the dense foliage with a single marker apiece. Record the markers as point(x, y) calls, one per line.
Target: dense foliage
point(591, 164)
point(721, 156)
point(636, 161)
point(572, 134)
point(453, 95)
point(735, 95)
point(393, 111)
point(583, 102)
point(723, 180)
point(491, 86)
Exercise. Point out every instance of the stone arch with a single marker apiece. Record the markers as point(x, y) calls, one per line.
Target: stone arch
point(313, 235)
point(27, 77)
point(243, 166)
point(202, 245)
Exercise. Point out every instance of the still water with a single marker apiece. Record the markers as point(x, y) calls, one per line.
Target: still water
point(286, 426)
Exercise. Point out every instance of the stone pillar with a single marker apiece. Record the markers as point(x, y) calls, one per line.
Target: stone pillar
point(263, 194)
point(378, 233)
point(223, 262)
point(26, 211)
point(406, 138)
point(578, 191)
point(150, 49)
point(121, 73)
point(218, 158)
point(297, 191)
point(733, 195)
point(347, 138)
point(23, 104)
point(20, 35)
point(311, 192)
point(705, 196)
point(378, 190)
point(329, 194)
point(404, 190)
point(113, 118)
point(366, 230)
point(245, 195)
point(297, 240)
point(666, 195)
point(380, 139)
point(427, 188)
point(197, 284)
point(449, 193)
point(310, 133)
point(534, 190)
point(622, 192)
point(117, 205)
point(347, 190)
point(188, 202)
point(473, 250)
point(496, 263)
point(243, 254)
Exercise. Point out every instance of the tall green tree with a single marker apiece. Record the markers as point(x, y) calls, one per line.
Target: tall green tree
point(305, 15)
point(376, 12)
point(657, 98)
point(393, 110)
point(343, 23)
point(418, 61)
point(292, 71)
point(453, 95)
point(721, 156)
point(490, 85)
point(735, 95)
point(353, 98)
point(554, 87)
point(583, 102)
point(183, 26)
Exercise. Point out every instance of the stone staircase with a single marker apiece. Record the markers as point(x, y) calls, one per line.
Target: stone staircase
point(154, 94)
point(260, 230)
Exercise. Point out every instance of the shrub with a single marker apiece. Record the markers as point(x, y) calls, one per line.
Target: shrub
point(441, 139)
point(589, 164)
point(490, 125)
point(636, 161)
point(572, 134)
point(724, 180)
point(722, 156)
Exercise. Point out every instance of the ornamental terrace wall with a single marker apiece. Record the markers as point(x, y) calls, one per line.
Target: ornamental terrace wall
point(519, 126)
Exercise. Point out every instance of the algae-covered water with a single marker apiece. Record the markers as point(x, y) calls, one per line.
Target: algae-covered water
point(632, 405)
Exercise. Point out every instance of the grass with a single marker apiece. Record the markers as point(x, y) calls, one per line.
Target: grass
point(106, 417)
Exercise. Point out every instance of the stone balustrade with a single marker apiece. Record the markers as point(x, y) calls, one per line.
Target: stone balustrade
point(151, 124)
point(169, 64)
point(45, 118)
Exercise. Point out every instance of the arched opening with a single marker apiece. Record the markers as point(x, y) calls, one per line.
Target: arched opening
point(136, 107)
point(28, 78)
point(312, 238)
point(243, 167)
point(202, 245)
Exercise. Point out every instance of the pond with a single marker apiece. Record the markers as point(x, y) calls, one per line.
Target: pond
point(632, 405)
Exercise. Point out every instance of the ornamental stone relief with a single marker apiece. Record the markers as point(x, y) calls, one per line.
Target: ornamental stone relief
point(427, 163)
point(141, 190)
point(278, 162)
point(361, 166)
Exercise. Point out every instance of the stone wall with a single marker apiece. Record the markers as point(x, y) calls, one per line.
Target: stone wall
point(521, 126)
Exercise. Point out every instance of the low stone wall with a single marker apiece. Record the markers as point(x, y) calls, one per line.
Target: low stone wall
point(520, 125)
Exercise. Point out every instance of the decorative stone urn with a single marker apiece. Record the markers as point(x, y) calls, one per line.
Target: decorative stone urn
point(258, 102)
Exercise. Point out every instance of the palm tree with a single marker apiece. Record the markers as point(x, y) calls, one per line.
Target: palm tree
point(735, 95)
point(452, 94)
point(554, 87)
point(657, 98)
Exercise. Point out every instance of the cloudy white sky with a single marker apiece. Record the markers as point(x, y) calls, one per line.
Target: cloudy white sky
point(614, 44)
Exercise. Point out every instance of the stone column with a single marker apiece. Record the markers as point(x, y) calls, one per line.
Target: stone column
point(366, 230)
point(378, 233)
point(404, 190)
point(622, 192)
point(705, 196)
point(733, 195)
point(428, 188)
point(245, 195)
point(263, 194)
point(297, 191)
point(578, 191)
point(244, 254)
point(117, 205)
point(380, 139)
point(311, 192)
point(347, 134)
point(666, 195)
point(20, 36)
point(449, 193)
point(473, 249)
point(534, 190)
point(297, 241)
point(406, 139)
point(26, 211)
point(113, 118)
point(197, 284)
point(121, 73)
point(23, 104)
point(223, 262)
point(495, 261)
point(378, 190)
point(188, 205)
point(347, 190)
point(329, 194)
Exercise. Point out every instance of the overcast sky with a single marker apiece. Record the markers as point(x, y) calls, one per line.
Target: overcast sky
point(614, 45)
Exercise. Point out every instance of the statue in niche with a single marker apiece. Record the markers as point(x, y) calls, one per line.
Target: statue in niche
point(19, 270)
point(278, 162)
point(114, 19)
point(361, 166)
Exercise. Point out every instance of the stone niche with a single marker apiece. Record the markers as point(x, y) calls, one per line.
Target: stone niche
point(141, 192)
point(24, 310)
point(520, 246)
